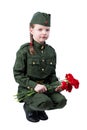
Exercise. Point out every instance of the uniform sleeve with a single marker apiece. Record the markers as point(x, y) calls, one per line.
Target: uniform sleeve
point(19, 71)
point(53, 78)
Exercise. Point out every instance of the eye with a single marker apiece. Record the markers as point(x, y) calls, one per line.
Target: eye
point(40, 29)
point(47, 30)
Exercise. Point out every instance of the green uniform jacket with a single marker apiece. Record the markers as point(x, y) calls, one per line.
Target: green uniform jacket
point(30, 69)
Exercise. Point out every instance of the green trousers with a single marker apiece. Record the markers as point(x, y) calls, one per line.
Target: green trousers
point(45, 101)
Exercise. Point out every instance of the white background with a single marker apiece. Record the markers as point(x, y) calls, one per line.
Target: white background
point(68, 36)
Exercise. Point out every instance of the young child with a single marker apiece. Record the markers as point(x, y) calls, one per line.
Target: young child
point(35, 67)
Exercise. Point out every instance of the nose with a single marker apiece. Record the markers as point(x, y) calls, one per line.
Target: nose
point(44, 32)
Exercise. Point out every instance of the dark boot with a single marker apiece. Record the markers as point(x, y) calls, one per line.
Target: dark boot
point(42, 115)
point(31, 115)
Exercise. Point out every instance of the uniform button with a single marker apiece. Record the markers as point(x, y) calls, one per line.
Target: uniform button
point(28, 87)
point(42, 51)
point(42, 69)
point(42, 47)
point(33, 63)
point(42, 60)
point(51, 63)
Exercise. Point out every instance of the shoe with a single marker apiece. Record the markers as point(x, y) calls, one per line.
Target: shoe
point(32, 115)
point(42, 115)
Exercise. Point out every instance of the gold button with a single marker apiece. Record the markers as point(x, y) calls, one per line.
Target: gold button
point(42, 69)
point(42, 60)
point(51, 63)
point(28, 87)
point(42, 47)
point(41, 51)
point(33, 63)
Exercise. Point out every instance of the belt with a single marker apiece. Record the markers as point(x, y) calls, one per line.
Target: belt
point(40, 81)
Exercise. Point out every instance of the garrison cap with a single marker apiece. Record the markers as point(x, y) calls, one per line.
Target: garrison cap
point(41, 18)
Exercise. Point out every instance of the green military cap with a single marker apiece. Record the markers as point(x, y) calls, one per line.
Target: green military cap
point(41, 18)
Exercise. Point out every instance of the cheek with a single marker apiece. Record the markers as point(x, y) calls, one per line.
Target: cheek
point(37, 34)
point(47, 34)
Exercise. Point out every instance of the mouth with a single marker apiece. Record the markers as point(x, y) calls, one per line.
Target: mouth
point(44, 37)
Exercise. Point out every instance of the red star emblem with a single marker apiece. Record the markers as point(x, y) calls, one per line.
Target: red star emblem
point(46, 22)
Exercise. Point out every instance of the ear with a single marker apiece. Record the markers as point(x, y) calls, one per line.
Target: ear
point(31, 30)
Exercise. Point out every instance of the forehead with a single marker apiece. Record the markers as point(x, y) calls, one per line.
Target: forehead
point(41, 26)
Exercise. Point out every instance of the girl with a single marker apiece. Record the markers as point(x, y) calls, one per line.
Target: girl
point(35, 67)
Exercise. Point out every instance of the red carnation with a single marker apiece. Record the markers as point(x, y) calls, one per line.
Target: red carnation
point(64, 85)
point(69, 89)
point(76, 83)
point(72, 80)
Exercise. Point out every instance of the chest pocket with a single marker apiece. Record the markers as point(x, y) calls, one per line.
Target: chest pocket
point(51, 63)
point(33, 66)
point(33, 62)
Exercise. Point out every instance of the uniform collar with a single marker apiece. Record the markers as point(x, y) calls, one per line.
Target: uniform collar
point(39, 46)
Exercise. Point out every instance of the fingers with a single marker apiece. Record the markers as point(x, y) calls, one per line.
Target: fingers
point(43, 90)
point(58, 89)
point(40, 88)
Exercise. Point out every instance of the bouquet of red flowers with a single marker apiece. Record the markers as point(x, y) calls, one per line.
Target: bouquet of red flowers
point(69, 83)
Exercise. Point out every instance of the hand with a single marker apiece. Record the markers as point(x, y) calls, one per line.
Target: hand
point(58, 89)
point(40, 88)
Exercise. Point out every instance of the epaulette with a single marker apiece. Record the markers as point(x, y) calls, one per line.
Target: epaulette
point(50, 46)
point(24, 45)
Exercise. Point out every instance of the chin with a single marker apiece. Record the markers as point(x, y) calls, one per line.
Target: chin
point(42, 41)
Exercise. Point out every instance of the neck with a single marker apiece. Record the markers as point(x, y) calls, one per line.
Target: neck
point(40, 42)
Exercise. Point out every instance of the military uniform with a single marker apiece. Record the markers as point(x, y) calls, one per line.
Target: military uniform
point(29, 70)
point(39, 68)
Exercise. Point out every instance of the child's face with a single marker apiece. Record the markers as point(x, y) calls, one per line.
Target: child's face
point(40, 33)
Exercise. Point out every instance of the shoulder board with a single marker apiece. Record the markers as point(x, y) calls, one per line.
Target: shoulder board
point(50, 46)
point(24, 45)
